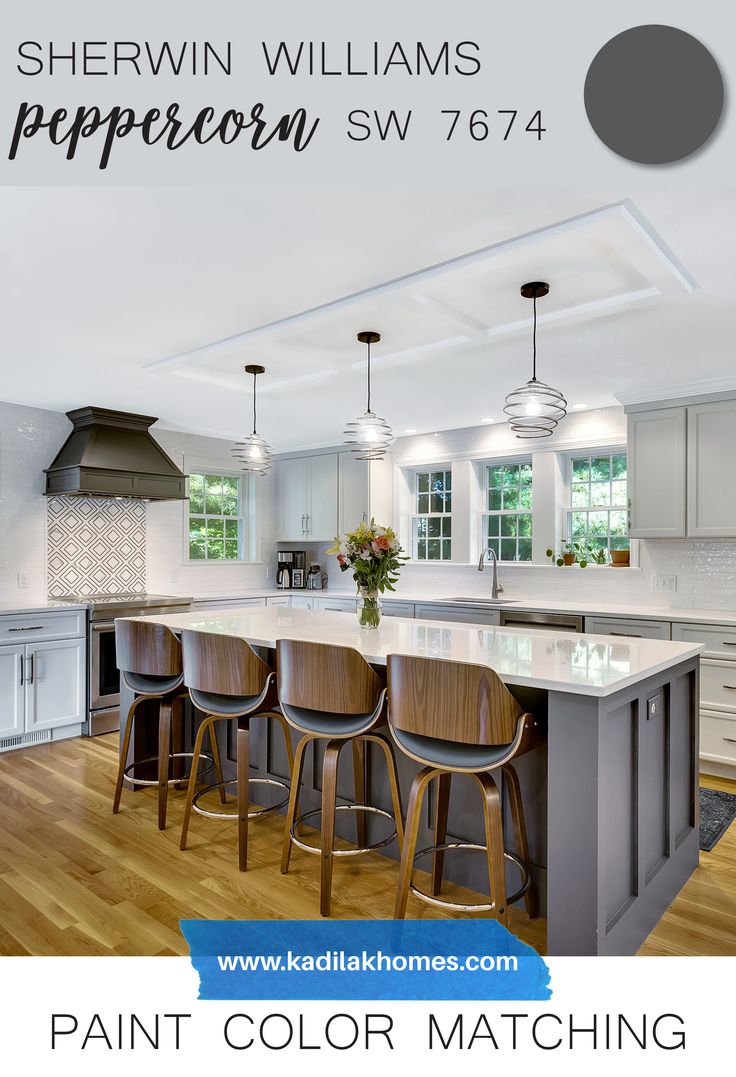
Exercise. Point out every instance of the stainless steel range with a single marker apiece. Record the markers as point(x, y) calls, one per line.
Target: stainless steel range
point(103, 676)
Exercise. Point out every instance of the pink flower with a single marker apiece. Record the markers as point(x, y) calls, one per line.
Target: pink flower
point(381, 543)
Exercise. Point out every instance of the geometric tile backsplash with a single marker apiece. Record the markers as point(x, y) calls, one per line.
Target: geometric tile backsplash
point(96, 546)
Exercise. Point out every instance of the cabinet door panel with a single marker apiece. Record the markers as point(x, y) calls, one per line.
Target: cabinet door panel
point(711, 496)
point(292, 499)
point(657, 448)
point(322, 518)
point(55, 684)
point(12, 692)
point(354, 492)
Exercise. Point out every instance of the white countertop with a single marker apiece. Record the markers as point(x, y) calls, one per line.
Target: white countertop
point(39, 607)
point(586, 665)
point(655, 611)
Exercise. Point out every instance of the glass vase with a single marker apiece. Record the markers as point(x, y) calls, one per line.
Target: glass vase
point(368, 606)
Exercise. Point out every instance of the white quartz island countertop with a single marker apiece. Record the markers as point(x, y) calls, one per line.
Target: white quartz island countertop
point(583, 664)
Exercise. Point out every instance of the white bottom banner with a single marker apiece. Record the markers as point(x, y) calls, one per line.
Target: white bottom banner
point(77, 1015)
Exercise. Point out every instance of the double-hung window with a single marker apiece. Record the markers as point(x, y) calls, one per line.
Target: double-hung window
point(432, 516)
point(598, 495)
point(507, 521)
point(216, 520)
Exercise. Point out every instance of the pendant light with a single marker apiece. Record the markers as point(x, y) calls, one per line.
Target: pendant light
point(370, 436)
point(535, 409)
point(253, 453)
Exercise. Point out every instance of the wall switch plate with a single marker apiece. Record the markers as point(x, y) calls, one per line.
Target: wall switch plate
point(269, 572)
point(22, 579)
point(662, 582)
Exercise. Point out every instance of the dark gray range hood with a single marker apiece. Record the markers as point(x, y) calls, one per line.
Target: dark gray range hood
point(112, 454)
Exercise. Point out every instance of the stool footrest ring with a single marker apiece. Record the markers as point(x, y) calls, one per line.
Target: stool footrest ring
point(231, 814)
point(343, 852)
point(203, 757)
point(442, 903)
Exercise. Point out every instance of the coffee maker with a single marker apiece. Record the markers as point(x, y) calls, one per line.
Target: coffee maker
point(290, 568)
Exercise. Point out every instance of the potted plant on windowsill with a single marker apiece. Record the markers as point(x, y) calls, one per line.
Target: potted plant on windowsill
point(572, 553)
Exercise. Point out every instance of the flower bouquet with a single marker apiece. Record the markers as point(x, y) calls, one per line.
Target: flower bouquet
point(375, 557)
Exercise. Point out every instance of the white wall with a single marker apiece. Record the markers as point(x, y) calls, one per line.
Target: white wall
point(29, 440)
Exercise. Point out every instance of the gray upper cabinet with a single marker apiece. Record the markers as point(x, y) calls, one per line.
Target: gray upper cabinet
point(711, 449)
point(657, 448)
point(307, 499)
point(365, 491)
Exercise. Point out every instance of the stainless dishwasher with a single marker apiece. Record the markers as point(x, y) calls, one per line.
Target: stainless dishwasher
point(552, 622)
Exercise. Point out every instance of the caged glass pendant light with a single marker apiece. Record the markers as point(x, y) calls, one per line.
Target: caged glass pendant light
point(253, 453)
point(535, 409)
point(370, 436)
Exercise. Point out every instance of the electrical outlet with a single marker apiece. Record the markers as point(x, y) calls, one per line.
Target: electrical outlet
point(23, 579)
point(269, 572)
point(662, 582)
point(653, 707)
point(174, 576)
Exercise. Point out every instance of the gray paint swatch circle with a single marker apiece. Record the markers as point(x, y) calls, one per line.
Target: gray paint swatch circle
point(654, 94)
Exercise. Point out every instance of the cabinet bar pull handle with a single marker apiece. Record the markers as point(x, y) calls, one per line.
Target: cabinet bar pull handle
point(307, 523)
point(30, 675)
point(22, 671)
point(727, 643)
point(731, 687)
point(730, 740)
point(634, 635)
point(28, 628)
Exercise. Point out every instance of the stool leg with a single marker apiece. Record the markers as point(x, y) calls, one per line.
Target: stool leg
point(192, 784)
point(215, 748)
point(413, 818)
point(329, 797)
point(243, 774)
point(164, 759)
point(522, 846)
point(440, 829)
point(291, 812)
point(359, 780)
point(494, 844)
point(393, 780)
point(123, 757)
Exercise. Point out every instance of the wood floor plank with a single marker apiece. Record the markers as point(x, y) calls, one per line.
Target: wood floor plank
point(76, 879)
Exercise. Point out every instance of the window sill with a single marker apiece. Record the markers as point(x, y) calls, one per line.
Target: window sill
point(525, 565)
point(204, 561)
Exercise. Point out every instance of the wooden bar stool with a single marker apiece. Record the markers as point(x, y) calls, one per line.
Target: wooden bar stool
point(229, 681)
point(332, 694)
point(150, 662)
point(457, 718)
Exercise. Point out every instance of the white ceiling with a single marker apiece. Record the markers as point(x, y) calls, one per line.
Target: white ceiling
point(98, 286)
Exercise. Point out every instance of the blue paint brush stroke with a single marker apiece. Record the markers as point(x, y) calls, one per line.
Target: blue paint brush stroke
point(211, 939)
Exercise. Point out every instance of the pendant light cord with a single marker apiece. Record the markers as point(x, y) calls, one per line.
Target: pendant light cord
point(369, 375)
point(534, 342)
point(254, 402)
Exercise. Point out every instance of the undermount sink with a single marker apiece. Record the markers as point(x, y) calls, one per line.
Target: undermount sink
point(482, 601)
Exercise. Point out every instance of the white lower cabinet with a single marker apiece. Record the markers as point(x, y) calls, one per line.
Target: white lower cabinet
point(302, 602)
point(43, 687)
point(55, 686)
point(717, 694)
point(12, 692)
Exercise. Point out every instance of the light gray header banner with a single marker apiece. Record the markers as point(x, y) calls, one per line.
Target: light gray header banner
point(468, 93)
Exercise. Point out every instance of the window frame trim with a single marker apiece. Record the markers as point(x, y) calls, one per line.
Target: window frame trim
point(247, 507)
point(501, 461)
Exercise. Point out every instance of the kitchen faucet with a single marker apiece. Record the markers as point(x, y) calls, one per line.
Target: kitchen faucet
point(496, 588)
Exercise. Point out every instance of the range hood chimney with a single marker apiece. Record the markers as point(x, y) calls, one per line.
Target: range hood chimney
point(112, 454)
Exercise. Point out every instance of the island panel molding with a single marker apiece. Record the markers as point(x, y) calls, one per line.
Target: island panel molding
point(95, 546)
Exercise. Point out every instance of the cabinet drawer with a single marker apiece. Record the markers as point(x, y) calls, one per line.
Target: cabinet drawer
point(459, 614)
point(282, 600)
point(301, 602)
point(623, 626)
point(718, 685)
point(717, 737)
point(227, 604)
point(718, 642)
point(49, 624)
point(335, 605)
point(398, 609)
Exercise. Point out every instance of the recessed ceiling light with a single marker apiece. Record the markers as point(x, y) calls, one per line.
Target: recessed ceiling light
point(488, 420)
point(579, 407)
point(435, 435)
point(410, 430)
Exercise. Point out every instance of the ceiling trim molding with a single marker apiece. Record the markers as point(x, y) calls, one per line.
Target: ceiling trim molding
point(624, 209)
point(683, 392)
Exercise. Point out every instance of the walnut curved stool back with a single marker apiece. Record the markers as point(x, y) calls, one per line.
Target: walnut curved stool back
point(332, 694)
point(458, 718)
point(229, 682)
point(149, 658)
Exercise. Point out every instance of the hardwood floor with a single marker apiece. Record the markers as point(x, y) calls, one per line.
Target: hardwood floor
point(76, 880)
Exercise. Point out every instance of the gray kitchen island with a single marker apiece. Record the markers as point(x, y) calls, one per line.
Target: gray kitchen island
point(610, 794)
